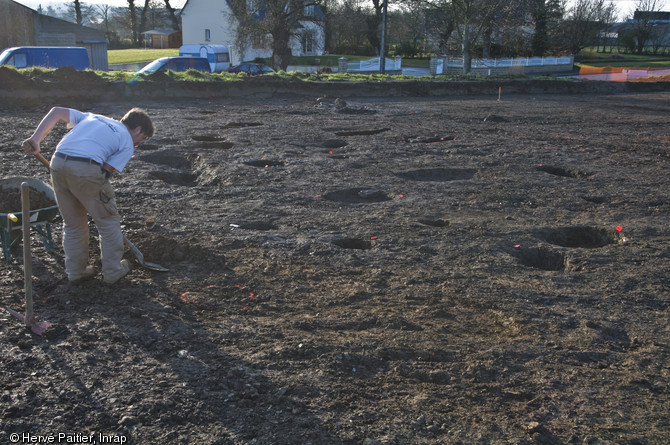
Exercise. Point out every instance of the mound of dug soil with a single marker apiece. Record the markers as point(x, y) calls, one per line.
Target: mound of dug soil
point(10, 201)
point(11, 79)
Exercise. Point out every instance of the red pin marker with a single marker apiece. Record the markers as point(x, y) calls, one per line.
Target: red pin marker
point(619, 228)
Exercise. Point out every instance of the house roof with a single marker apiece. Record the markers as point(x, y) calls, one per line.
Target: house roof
point(660, 16)
point(16, 4)
point(52, 25)
point(160, 32)
point(260, 13)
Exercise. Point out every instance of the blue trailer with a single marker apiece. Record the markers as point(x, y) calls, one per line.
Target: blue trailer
point(46, 56)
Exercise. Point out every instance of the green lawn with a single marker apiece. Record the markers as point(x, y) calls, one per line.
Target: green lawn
point(117, 56)
point(593, 58)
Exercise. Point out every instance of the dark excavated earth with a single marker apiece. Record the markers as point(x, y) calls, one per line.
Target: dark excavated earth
point(455, 270)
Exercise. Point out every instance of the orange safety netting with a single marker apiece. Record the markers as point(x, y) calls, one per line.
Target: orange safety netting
point(624, 74)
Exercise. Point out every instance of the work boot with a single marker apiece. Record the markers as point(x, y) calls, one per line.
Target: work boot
point(87, 274)
point(112, 279)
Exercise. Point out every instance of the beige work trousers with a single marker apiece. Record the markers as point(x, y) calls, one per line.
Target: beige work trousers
point(82, 189)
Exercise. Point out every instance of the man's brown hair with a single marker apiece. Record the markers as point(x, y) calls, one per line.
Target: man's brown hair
point(138, 118)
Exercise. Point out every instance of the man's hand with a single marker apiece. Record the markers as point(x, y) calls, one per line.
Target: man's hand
point(31, 146)
point(55, 115)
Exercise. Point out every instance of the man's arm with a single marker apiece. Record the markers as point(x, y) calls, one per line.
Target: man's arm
point(55, 115)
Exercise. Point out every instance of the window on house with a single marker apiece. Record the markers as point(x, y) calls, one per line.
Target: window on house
point(208, 36)
point(307, 43)
point(257, 40)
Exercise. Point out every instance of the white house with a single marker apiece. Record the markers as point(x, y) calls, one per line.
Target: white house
point(212, 22)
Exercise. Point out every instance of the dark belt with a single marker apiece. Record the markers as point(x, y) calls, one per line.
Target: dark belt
point(76, 158)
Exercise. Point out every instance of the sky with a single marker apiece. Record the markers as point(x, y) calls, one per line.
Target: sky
point(624, 7)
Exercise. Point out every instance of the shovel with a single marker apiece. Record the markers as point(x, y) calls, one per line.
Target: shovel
point(140, 257)
point(136, 251)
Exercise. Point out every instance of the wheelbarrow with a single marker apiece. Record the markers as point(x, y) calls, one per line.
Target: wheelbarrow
point(40, 219)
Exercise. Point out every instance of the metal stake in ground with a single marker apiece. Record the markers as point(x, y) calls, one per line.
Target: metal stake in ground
point(27, 256)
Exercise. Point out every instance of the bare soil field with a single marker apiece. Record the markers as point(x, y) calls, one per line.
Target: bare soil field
point(456, 270)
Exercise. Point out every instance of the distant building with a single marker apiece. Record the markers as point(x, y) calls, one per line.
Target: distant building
point(212, 22)
point(162, 38)
point(657, 22)
point(22, 26)
point(652, 16)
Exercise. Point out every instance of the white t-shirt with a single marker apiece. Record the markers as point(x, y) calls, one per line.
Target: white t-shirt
point(99, 138)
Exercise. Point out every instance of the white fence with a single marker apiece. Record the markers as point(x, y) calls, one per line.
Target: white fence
point(370, 65)
point(450, 65)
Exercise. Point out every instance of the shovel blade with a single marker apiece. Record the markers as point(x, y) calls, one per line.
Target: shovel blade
point(17, 314)
point(154, 266)
point(38, 327)
point(140, 257)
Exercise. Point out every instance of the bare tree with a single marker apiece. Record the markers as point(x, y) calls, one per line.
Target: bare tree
point(407, 29)
point(507, 23)
point(103, 11)
point(584, 22)
point(347, 27)
point(607, 19)
point(373, 21)
point(77, 12)
point(104, 15)
point(472, 17)
point(143, 16)
point(547, 14)
point(133, 21)
point(173, 17)
point(439, 27)
point(643, 23)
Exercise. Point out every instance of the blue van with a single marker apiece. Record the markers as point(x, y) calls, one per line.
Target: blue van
point(218, 56)
point(46, 56)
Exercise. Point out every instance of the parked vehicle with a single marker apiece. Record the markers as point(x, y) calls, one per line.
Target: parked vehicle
point(253, 69)
point(46, 56)
point(218, 56)
point(181, 63)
